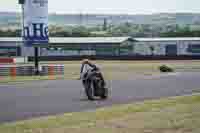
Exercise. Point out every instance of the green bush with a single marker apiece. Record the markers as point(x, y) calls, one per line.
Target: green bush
point(165, 68)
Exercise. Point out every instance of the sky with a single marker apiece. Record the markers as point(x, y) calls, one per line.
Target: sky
point(113, 6)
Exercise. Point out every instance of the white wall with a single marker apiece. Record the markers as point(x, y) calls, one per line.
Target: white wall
point(20, 59)
point(160, 47)
point(143, 48)
point(184, 46)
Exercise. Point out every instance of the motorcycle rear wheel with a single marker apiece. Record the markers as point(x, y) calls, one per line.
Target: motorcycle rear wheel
point(90, 91)
point(104, 95)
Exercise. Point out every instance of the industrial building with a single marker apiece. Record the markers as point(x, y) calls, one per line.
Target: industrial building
point(113, 46)
point(70, 46)
point(167, 46)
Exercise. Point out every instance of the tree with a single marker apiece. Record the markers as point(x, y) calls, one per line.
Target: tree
point(80, 32)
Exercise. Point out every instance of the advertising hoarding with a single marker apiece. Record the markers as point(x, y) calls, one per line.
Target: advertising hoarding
point(35, 28)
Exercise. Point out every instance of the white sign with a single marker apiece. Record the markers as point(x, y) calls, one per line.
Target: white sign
point(35, 22)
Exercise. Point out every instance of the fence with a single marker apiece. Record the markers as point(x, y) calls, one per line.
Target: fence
point(14, 70)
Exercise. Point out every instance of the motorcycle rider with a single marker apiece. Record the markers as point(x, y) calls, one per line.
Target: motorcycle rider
point(88, 69)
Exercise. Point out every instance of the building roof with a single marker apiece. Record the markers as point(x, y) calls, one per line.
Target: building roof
point(87, 40)
point(167, 39)
point(74, 40)
point(79, 40)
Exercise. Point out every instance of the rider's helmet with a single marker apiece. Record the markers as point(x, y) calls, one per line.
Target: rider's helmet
point(85, 61)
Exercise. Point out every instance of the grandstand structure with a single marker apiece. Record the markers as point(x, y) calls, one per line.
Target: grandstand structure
point(110, 46)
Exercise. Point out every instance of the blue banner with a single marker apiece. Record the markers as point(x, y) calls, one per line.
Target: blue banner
point(35, 30)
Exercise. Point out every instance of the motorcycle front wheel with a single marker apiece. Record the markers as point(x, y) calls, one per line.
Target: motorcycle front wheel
point(89, 89)
point(104, 95)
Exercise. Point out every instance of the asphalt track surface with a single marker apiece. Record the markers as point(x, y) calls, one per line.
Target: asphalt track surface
point(43, 98)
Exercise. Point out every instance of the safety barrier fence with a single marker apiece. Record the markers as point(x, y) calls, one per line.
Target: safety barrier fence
point(14, 70)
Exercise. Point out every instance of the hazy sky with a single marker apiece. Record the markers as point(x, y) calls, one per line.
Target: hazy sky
point(112, 6)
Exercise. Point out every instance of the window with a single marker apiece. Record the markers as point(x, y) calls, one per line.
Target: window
point(9, 51)
point(193, 48)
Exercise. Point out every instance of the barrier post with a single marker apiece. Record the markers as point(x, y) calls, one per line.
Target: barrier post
point(51, 72)
point(13, 72)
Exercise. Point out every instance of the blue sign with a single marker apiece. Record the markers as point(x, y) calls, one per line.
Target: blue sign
point(35, 30)
point(39, 34)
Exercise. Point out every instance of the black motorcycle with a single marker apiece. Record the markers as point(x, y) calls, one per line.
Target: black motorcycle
point(94, 85)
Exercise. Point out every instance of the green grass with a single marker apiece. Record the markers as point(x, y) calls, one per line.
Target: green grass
point(115, 69)
point(172, 115)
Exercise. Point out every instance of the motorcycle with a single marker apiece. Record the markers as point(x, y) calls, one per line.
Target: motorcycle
point(94, 85)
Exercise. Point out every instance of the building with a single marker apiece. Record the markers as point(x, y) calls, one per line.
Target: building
point(10, 46)
point(111, 46)
point(70, 46)
point(167, 46)
point(89, 46)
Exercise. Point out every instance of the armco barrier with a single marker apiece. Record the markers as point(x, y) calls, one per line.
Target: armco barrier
point(14, 70)
point(52, 70)
point(4, 71)
point(26, 70)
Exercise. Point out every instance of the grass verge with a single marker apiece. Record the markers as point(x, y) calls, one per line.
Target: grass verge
point(172, 115)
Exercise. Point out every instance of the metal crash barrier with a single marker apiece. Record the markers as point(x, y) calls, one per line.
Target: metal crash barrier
point(45, 70)
point(52, 70)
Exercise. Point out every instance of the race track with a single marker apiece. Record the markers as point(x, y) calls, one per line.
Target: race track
point(34, 99)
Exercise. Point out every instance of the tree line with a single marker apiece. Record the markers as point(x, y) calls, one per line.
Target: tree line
point(112, 31)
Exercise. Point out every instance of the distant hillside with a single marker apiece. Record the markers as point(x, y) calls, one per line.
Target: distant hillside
point(96, 19)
